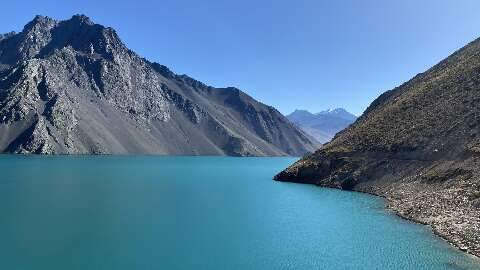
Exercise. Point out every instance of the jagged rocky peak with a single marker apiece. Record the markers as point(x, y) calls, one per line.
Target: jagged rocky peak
point(73, 87)
point(82, 34)
point(81, 19)
point(38, 30)
point(46, 22)
point(40, 23)
point(43, 35)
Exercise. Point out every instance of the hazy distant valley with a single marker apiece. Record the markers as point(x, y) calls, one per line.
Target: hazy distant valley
point(322, 125)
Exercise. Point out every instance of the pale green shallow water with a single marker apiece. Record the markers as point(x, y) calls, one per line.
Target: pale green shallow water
point(197, 213)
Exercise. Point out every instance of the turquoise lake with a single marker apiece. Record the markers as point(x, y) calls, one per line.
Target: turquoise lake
point(109, 212)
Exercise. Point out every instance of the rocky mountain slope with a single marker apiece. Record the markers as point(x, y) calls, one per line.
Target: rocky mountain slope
point(323, 125)
point(418, 145)
point(72, 87)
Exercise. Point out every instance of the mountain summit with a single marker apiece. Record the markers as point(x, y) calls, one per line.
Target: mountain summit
point(323, 125)
point(418, 145)
point(73, 87)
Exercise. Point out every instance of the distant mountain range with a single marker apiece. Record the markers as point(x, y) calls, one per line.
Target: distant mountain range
point(73, 87)
point(323, 125)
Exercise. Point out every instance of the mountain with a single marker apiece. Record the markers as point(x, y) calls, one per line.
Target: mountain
point(323, 125)
point(418, 146)
point(73, 87)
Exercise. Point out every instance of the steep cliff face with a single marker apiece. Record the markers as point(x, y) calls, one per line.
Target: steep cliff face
point(72, 87)
point(418, 145)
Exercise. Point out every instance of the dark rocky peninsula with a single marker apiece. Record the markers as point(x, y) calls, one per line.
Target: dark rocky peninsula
point(418, 146)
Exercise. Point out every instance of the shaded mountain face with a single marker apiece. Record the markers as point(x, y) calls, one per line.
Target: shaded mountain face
point(323, 125)
point(72, 87)
point(419, 146)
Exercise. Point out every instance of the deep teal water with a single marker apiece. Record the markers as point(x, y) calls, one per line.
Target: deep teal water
point(197, 213)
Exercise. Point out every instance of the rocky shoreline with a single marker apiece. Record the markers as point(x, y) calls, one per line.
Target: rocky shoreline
point(457, 223)
point(450, 214)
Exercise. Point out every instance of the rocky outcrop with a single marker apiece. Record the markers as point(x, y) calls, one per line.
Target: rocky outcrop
point(418, 146)
point(72, 87)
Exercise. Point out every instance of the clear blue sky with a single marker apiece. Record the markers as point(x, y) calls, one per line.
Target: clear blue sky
point(308, 54)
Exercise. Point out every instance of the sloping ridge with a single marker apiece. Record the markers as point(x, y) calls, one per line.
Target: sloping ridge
point(418, 145)
point(72, 87)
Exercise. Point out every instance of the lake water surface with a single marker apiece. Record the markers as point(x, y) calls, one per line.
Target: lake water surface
point(120, 213)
